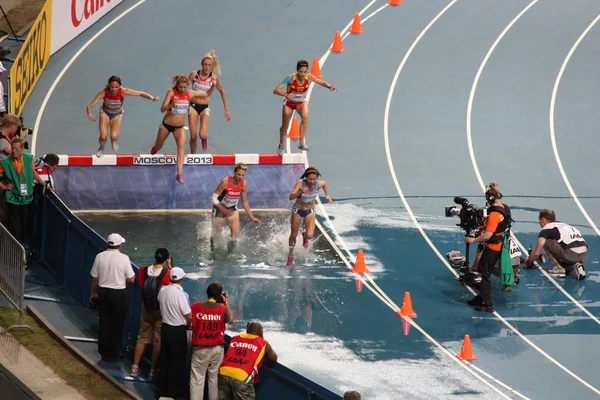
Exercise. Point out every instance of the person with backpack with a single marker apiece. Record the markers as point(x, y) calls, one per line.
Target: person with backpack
point(151, 279)
point(497, 225)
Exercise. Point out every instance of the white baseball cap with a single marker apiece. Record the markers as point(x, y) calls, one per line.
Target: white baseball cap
point(114, 239)
point(177, 274)
point(2, 69)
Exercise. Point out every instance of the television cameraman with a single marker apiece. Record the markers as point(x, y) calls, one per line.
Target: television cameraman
point(498, 221)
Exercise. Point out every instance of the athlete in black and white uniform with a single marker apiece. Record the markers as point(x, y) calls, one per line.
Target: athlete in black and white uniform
point(563, 242)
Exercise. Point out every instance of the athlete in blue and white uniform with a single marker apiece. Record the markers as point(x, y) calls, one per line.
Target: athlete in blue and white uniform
point(305, 191)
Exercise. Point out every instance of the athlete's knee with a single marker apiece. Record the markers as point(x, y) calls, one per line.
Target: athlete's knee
point(309, 235)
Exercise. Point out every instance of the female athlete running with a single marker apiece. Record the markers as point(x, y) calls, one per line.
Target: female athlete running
point(225, 200)
point(176, 104)
point(111, 111)
point(305, 191)
point(205, 80)
point(295, 100)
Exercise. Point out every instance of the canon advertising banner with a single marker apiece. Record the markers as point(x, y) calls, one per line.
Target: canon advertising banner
point(71, 17)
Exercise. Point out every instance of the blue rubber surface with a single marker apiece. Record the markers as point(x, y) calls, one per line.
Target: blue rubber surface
point(357, 342)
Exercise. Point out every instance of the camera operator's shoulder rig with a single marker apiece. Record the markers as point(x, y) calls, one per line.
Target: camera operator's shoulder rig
point(503, 226)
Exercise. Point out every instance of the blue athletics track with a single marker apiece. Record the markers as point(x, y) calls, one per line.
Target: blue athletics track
point(436, 99)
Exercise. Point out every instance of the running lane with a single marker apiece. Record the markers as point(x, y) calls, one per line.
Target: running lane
point(258, 44)
point(428, 146)
point(577, 119)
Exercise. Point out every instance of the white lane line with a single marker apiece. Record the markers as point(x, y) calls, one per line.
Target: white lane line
point(552, 130)
point(375, 289)
point(67, 66)
point(413, 217)
point(472, 151)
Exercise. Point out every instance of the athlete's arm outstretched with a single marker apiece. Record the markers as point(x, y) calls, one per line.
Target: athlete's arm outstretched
point(131, 92)
point(223, 97)
point(99, 96)
point(321, 82)
point(247, 206)
point(323, 184)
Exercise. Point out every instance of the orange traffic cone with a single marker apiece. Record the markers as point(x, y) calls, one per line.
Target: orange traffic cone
point(316, 70)
point(356, 28)
point(466, 353)
point(395, 2)
point(360, 269)
point(407, 308)
point(294, 132)
point(337, 43)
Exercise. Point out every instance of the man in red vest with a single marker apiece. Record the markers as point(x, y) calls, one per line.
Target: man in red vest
point(208, 340)
point(243, 359)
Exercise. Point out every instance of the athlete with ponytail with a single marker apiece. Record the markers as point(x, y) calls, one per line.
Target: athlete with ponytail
point(205, 80)
point(305, 192)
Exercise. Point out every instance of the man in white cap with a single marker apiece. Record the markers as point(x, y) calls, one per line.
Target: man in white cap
point(176, 317)
point(111, 272)
point(2, 104)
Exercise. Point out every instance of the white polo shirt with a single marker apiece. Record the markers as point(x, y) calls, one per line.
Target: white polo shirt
point(174, 305)
point(112, 268)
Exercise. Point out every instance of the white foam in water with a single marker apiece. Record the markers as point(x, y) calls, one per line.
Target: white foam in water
point(330, 363)
point(348, 218)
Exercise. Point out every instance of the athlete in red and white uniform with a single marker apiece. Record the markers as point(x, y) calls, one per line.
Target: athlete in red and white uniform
point(176, 105)
point(225, 200)
point(111, 111)
point(295, 100)
point(205, 80)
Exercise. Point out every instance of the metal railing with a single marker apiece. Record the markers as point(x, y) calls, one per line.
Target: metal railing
point(12, 275)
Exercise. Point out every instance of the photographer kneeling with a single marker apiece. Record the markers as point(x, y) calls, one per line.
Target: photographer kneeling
point(563, 243)
point(497, 223)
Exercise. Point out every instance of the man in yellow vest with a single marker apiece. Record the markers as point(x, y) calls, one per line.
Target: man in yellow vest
point(19, 173)
point(239, 371)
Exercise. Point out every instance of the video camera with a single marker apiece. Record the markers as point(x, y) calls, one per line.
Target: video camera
point(471, 216)
point(25, 132)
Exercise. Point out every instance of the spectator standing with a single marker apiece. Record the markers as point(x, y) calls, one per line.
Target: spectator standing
point(209, 321)
point(111, 272)
point(19, 172)
point(176, 317)
point(151, 279)
point(352, 395)
point(242, 362)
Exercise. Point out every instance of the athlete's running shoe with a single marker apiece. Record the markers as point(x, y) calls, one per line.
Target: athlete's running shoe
point(204, 144)
point(303, 146)
point(179, 178)
point(100, 152)
point(289, 261)
point(557, 271)
point(153, 150)
point(280, 150)
point(115, 146)
point(304, 241)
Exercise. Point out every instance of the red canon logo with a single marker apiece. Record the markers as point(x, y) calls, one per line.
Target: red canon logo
point(90, 7)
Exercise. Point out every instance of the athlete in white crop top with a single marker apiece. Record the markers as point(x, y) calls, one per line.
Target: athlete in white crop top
point(205, 80)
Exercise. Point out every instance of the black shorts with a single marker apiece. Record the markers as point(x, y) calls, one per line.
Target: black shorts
point(171, 128)
point(200, 107)
point(218, 214)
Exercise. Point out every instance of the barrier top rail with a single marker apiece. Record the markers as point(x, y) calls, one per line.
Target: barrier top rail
point(171, 159)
